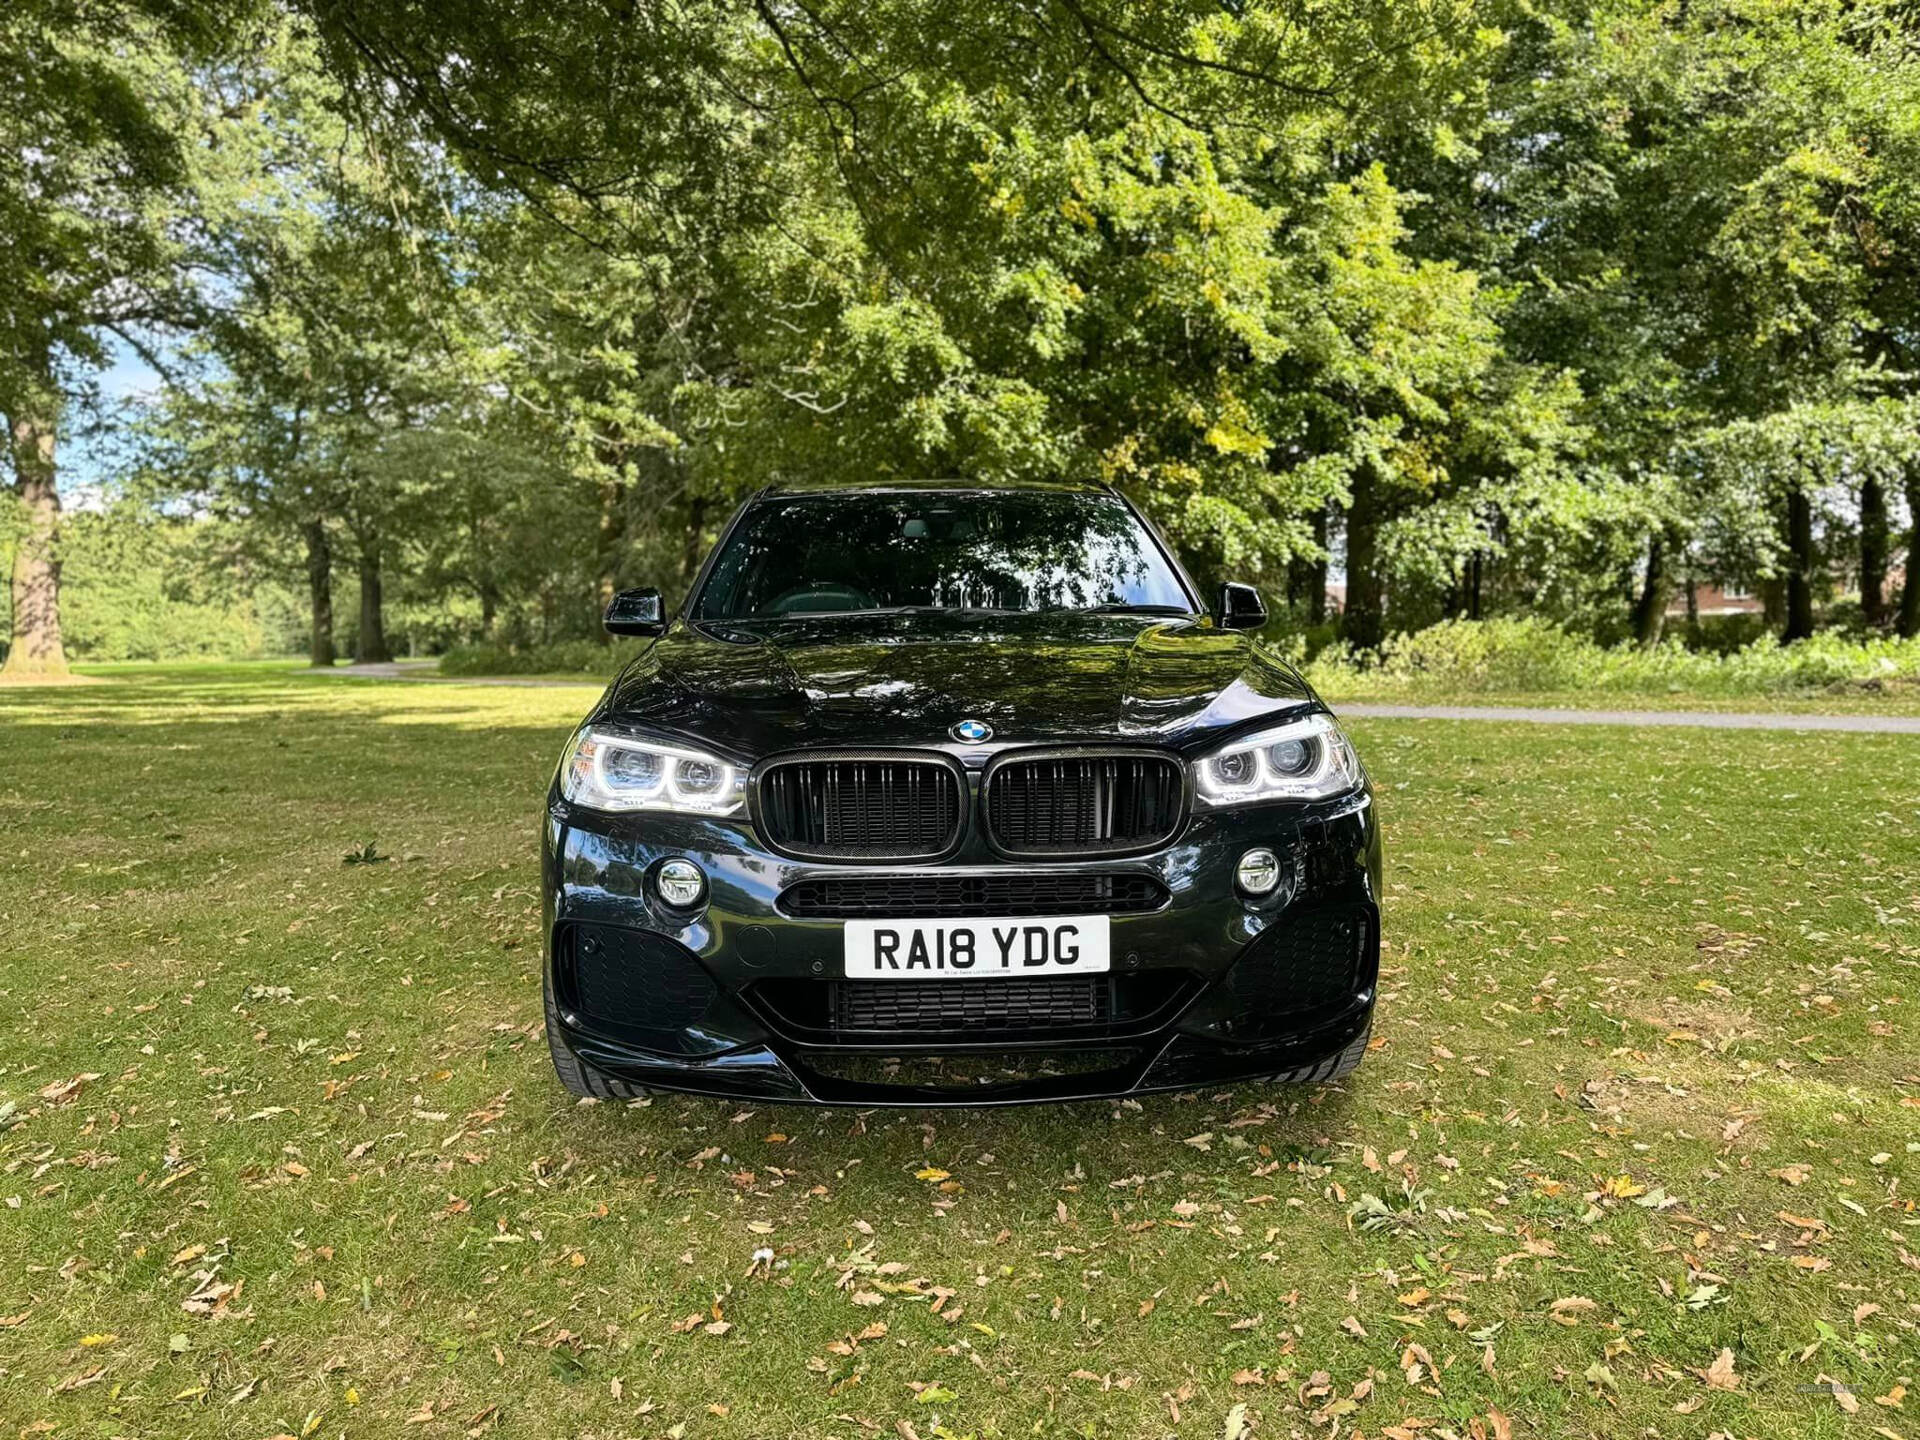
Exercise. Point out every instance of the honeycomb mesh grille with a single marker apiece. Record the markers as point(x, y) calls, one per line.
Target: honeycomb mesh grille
point(636, 980)
point(909, 897)
point(1302, 963)
point(934, 1007)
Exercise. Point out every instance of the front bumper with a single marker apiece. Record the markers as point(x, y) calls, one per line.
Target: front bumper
point(723, 1028)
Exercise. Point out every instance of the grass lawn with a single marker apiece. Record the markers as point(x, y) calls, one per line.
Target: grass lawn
point(281, 1154)
point(1887, 699)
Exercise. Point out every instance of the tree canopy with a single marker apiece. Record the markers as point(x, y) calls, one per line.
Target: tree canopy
point(1476, 307)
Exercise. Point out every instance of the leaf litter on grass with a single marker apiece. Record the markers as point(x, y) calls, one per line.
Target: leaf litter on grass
point(1639, 1047)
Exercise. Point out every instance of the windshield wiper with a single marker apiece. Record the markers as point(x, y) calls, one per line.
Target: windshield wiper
point(1123, 608)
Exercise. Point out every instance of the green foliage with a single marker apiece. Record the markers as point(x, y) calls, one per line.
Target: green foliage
point(143, 587)
point(92, 168)
point(1533, 656)
point(1500, 309)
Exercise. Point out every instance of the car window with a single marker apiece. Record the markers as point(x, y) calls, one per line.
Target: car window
point(942, 550)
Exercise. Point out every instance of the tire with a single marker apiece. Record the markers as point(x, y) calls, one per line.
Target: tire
point(579, 1077)
point(1334, 1067)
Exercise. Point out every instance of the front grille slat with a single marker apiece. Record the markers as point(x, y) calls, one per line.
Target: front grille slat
point(1084, 804)
point(860, 807)
point(1049, 1008)
point(935, 895)
point(934, 1007)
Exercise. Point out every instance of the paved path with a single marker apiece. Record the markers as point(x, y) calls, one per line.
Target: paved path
point(1697, 719)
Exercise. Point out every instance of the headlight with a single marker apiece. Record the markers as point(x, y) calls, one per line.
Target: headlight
point(618, 772)
point(1302, 760)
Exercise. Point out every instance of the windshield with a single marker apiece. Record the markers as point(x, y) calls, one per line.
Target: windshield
point(940, 550)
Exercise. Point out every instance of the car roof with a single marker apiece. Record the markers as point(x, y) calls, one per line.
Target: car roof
point(884, 487)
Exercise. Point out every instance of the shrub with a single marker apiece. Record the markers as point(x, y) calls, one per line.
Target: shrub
point(1723, 634)
point(1464, 656)
point(568, 657)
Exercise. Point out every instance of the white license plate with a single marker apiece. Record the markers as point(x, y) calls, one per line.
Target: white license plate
point(960, 949)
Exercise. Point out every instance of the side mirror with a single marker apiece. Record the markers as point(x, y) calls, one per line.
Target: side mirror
point(636, 612)
point(1241, 607)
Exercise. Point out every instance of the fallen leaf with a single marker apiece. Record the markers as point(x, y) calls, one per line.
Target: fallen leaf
point(1719, 1375)
point(1568, 1309)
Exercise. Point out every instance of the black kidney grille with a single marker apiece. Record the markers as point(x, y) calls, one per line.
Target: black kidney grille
point(1302, 962)
point(934, 1007)
point(931, 895)
point(854, 809)
point(1084, 805)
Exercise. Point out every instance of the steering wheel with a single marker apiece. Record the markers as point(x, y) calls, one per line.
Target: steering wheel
point(820, 595)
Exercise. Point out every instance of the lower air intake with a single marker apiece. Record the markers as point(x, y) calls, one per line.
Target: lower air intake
point(936, 1007)
point(1001, 893)
point(1303, 962)
point(624, 981)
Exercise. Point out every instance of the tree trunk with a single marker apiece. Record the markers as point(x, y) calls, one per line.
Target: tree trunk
point(1366, 598)
point(608, 544)
point(1773, 602)
point(1299, 583)
point(370, 645)
point(1317, 585)
point(1910, 591)
point(695, 549)
point(36, 647)
point(1650, 613)
point(320, 593)
point(1799, 566)
point(1873, 551)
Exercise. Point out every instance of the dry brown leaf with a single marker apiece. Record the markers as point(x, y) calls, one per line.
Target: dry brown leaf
point(1568, 1309)
point(1720, 1375)
point(1842, 1396)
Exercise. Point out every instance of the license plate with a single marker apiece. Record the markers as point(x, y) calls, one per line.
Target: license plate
point(962, 949)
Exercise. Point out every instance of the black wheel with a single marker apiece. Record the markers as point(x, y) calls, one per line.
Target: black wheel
point(579, 1077)
point(1334, 1067)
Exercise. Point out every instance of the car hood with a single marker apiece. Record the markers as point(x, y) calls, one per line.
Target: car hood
point(905, 678)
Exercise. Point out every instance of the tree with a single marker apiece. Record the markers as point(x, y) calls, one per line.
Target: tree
point(339, 329)
point(1707, 211)
point(95, 185)
point(885, 239)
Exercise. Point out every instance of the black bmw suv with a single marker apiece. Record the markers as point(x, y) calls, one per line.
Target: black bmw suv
point(954, 794)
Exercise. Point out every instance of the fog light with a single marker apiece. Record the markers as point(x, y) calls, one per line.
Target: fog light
point(681, 883)
point(1259, 871)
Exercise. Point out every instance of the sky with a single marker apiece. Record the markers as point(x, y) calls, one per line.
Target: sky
point(85, 460)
